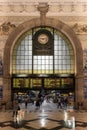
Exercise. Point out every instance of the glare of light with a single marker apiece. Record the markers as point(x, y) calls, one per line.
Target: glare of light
point(43, 110)
point(69, 123)
point(73, 122)
point(43, 122)
point(65, 116)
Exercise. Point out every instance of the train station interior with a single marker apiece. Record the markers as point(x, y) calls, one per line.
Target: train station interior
point(43, 64)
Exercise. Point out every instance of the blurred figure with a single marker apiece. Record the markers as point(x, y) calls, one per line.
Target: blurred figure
point(15, 107)
point(66, 102)
point(59, 103)
point(26, 102)
point(37, 103)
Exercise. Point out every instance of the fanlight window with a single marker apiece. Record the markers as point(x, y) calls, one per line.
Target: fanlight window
point(62, 61)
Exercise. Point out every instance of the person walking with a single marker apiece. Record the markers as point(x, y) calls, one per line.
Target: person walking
point(37, 103)
point(15, 107)
point(26, 103)
point(59, 103)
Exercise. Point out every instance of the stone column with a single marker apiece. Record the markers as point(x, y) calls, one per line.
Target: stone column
point(79, 90)
point(7, 91)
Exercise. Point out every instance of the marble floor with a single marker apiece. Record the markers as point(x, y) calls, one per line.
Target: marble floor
point(47, 117)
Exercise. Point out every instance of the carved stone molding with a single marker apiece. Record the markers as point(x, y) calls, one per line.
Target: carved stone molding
point(56, 8)
point(80, 29)
point(6, 28)
point(43, 8)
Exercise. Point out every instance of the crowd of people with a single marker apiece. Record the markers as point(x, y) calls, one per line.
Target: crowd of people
point(61, 102)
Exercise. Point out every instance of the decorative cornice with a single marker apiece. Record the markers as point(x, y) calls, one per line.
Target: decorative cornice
point(55, 8)
point(6, 28)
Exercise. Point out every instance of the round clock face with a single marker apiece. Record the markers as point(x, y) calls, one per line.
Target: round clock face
point(43, 38)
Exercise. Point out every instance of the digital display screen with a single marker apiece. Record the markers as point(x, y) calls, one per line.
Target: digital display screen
point(51, 83)
point(66, 82)
point(43, 82)
point(27, 83)
point(20, 83)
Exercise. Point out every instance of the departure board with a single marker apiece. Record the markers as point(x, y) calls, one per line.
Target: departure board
point(27, 83)
point(66, 82)
point(35, 83)
point(59, 83)
point(54, 83)
point(20, 82)
point(51, 83)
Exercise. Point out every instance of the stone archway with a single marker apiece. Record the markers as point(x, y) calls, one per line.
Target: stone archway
point(36, 23)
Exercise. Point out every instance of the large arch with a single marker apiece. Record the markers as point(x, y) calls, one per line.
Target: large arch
point(35, 23)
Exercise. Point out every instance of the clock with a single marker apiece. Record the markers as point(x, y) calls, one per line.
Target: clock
point(43, 38)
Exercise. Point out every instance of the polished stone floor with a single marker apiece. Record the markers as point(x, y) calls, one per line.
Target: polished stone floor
point(48, 117)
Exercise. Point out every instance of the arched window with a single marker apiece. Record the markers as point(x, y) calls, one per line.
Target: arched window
point(43, 50)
